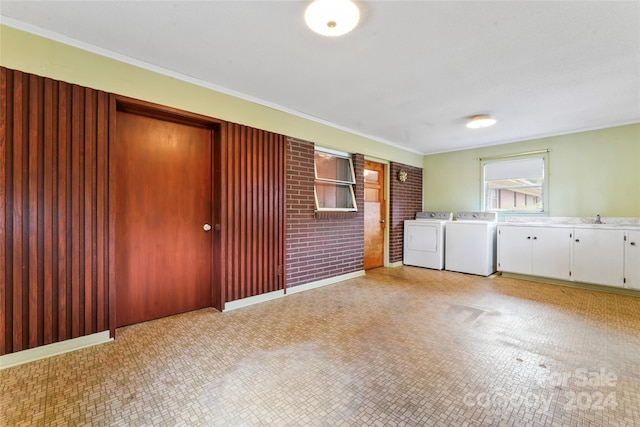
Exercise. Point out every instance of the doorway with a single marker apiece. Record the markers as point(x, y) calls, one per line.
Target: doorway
point(374, 215)
point(162, 183)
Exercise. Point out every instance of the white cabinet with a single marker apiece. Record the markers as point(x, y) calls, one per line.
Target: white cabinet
point(538, 251)
point(603, 256)
point(598, 256)
point(552, 252)
point(632, 260)
point(514, 249)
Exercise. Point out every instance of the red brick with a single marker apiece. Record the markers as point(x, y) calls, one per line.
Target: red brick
point(320, 248)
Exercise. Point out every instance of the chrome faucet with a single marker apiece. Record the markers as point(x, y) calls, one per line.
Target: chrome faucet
point(598, 220)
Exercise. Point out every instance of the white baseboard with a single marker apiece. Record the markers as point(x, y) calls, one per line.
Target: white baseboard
point(245, 302)
point(324, 282)
point(42, 352)
point(395, 264)
point(33, 354)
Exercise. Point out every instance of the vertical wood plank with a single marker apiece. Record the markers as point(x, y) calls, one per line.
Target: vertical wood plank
point(270, 225)
point(228, 232)
point(268, 236)
point(273, 179)
point(252, 178)
point(110, 268)
point(220, 259)
point(274, 204)
point(6, 325)
point(32, 209)
point(258, 184)
point(240, 214)
point(18, 206)
point(54, 106)
point(242, 211)
point(282, 209)
point(261, 212)
point(282, 186)
point(39, 108)
point(235, 217)
point(63, 208)
point(75, 226)
point(101, 260)
point(88, 210)
point(49, 145)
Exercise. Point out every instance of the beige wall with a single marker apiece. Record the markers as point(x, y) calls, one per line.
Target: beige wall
point(30, 53)
point(596, 172)
point(591, 172)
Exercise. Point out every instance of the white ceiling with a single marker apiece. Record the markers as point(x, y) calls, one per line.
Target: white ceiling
point(410, 74)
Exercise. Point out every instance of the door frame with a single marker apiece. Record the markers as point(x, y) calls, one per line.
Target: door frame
point(387, 207)
point(126, 104)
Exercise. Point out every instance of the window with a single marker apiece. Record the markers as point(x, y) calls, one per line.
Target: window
point(334, 181)
point(516, 184)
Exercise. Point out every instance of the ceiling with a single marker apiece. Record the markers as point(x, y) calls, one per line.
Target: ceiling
point(410, 74)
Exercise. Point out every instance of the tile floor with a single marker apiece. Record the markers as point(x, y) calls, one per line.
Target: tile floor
point(401, 346)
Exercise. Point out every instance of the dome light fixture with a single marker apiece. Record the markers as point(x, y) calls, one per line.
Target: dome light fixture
point(481, 121)
point(332, 17)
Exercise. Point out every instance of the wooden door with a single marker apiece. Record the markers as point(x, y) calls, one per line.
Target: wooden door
point(374, 215)
point(162, 187)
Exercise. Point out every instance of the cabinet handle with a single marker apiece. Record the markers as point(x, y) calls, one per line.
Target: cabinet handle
point(633, 243)
point(578, 240)
point(535, 238)
point(528, 237)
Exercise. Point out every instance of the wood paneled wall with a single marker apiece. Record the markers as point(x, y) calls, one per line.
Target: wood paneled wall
point(54, 205)
point(53, 175)
point(253, 212)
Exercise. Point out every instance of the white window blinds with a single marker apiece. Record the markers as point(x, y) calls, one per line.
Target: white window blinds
point(514, 169)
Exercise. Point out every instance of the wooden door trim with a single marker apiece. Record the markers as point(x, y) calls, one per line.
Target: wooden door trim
point(383, 205)
point(130, 105)
point(136, 106)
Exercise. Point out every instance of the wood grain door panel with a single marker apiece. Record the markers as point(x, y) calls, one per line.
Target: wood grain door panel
point(374, 215)
point(163, 199)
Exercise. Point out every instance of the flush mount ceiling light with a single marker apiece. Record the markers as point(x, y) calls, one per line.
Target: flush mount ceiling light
point(332, 17)
point(481, 121)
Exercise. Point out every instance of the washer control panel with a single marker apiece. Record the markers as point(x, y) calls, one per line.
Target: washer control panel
point(441, 216)
point(477, 216)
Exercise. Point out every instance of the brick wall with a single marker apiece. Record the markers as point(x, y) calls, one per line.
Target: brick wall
point(327, 245)
point(405, 200)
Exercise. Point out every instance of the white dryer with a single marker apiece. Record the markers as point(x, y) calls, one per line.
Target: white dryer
point(471, 243)
point(424, 239)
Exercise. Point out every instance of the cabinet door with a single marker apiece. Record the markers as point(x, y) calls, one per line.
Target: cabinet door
point(552, 252)
point(632, 260)
point(514, 249)
point(598, 256)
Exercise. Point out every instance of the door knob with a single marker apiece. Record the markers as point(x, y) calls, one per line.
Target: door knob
point(206, 227)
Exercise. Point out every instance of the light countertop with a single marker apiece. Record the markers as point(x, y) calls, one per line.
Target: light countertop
point(613, 223)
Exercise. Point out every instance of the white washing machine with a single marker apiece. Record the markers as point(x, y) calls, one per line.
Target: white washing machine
point(470, 244)
point(424, 239)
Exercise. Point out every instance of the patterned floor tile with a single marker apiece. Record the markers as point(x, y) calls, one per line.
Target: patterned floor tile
point(400, 346)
